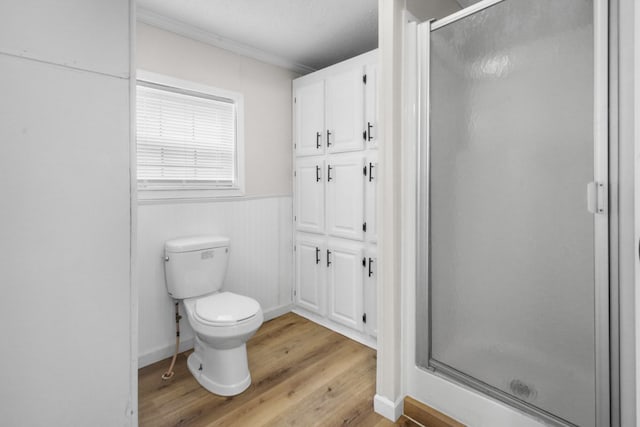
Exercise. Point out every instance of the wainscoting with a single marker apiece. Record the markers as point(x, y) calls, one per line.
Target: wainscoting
point(260, 265)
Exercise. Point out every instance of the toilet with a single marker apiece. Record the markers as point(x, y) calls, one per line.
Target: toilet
point(195, 268)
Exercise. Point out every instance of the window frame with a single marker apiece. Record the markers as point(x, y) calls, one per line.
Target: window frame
point(163, 191)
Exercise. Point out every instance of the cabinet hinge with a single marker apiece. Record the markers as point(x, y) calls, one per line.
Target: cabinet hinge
point(364, 318)
point(295, 100)
point(364, 227)
point(364, 135)
point(364, 262)
point(295, 173)
point(294, 248)
point(364, 78)
point(295, 218)
point(364, 171)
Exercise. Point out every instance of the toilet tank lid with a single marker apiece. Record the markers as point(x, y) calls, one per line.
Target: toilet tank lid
point(195, 243)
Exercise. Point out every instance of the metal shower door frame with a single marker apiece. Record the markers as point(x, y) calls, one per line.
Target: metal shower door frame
point(603, 324)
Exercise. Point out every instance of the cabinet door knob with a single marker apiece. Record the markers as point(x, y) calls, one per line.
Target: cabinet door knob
point(371, 166)
point(317, 255)
point(328, 138)
point(328, 260)
point(329, 173)
point(370, 270)
point(317, 173)
point(318, 135)
point(369, 126)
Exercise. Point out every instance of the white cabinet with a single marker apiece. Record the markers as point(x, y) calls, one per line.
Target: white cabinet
point(344, 281)
point(370, 195)
point(310, 204)
point(309, 119)
point(344, 111)
point(310, 273)
point(336, 170)
point(370, 316)
point(371, 105)
point(345, 196)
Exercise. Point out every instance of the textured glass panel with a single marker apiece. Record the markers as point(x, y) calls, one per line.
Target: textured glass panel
point(512, 252)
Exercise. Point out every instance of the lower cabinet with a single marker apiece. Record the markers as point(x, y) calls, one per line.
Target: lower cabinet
point(370, 292)
point(310, 273)
point(336, 278)
point(345, 265)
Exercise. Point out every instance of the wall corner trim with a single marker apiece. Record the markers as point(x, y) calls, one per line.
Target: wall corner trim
point(181, 28)
point(388, 409)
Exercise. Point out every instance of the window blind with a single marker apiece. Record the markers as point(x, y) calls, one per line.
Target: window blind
point(185, 138)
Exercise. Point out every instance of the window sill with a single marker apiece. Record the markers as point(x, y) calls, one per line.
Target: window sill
point(157, 196)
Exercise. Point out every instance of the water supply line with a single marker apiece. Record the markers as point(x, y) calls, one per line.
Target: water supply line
point(169, 374)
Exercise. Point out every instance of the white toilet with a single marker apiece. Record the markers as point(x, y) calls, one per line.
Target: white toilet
point(195, 268)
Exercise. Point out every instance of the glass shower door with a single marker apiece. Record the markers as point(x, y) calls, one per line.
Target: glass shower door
point(512, 289)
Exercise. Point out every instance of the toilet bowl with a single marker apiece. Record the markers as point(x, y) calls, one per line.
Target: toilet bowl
point(222, 321)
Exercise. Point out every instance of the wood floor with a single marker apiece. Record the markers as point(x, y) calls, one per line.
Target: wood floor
point(303, 375)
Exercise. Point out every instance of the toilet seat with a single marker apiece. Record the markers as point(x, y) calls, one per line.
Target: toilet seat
point(224, 309)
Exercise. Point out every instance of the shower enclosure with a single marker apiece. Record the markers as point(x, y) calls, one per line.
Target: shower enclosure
point(513, 285)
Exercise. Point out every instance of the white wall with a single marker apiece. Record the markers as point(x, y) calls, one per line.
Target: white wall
point(259, 225)
point(65, 219)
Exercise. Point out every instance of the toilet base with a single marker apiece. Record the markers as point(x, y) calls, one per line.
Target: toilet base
point(222, 372)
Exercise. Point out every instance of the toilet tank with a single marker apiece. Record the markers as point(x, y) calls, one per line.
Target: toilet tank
point(195, 266)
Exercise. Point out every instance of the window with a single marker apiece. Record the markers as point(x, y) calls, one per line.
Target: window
point(189, 139)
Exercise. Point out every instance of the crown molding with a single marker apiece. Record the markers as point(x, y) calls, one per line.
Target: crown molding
point(161, 21)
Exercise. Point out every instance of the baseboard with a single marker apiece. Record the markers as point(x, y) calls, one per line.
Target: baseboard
point(167, 351)
point(272, 313)
point(336, 327)
point(388, 409)
point(162, 353)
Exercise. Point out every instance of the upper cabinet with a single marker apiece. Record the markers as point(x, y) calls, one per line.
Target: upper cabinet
point(344, 111)
point(335, 108)
point(309, 195)
point(309, 119)
point(345, 197)
point(370, 105)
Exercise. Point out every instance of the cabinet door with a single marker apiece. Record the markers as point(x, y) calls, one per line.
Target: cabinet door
point(310, 273)
point(345, 196)
point(344, 280)
point(310, 195)
point(371, 106)
point(371, 184)
point(344, 111)
point(309, 119)
point(370, 294)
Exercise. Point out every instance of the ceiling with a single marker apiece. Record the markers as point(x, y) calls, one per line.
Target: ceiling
point(302, 35)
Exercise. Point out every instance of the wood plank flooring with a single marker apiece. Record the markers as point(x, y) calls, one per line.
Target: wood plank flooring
point(303, 375)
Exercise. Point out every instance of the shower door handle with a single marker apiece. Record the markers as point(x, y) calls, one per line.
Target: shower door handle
point(596, 198)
